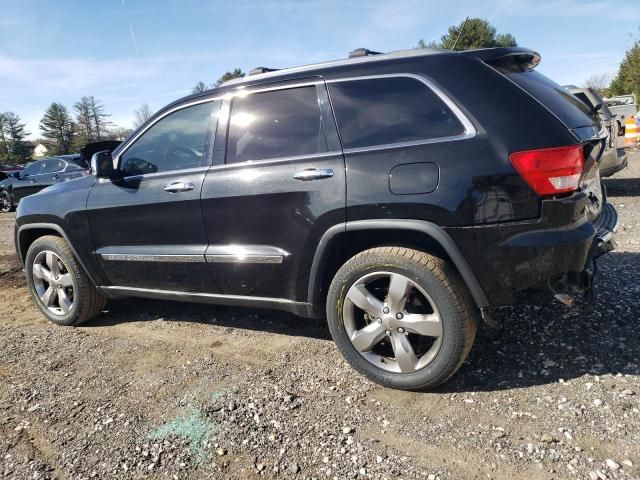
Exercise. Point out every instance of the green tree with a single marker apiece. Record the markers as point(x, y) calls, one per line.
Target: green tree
point(469, 34)
point(236, 73)
point(199, 87)
point(14, 137)
point(628, 78)
point(58, 129)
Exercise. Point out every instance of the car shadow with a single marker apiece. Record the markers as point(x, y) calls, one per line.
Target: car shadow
point(270, 321)
point(549, 343)
point(541, 344)
point(622, 187)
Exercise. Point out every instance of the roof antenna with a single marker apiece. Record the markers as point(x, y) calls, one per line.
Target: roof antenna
point(460, 33)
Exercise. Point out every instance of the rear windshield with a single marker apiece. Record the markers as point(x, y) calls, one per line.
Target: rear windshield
point(569, 109)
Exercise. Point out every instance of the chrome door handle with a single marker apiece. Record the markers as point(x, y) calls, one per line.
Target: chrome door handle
point(313, 174)
point(175, 187)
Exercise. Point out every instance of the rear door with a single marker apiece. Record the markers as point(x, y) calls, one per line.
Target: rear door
point(51, 172)
point(274, 190)
point(147, 224)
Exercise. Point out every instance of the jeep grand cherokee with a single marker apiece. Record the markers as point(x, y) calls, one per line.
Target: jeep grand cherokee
point(402, 195)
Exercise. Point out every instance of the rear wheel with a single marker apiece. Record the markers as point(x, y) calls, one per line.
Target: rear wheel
point(401, 317)
point(6, 203)
point(58, 284)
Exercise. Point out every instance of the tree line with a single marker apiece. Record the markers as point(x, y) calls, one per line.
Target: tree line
point(64, 132)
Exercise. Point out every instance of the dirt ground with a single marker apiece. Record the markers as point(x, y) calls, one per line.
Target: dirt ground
point(168, 390)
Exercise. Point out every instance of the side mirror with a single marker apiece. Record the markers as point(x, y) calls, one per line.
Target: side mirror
point(102, 164)
point(16, 175)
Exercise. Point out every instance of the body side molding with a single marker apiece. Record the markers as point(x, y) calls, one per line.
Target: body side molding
point(432, 230)
point(298, 308)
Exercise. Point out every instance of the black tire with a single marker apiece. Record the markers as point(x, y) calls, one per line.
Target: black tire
point(87, 301)
point(6, 202)
point(446, 290)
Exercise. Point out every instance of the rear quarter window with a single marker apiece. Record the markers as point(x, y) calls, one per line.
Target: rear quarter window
point(571, 111)
point(388, 110)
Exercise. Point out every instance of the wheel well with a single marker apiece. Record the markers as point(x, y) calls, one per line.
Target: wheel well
point(28, 236)
point(346, 245)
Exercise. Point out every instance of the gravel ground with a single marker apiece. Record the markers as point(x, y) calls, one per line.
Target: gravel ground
point(168, 390)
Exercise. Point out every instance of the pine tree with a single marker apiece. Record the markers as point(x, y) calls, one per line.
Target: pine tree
point(14, 134)
point(469, 34)
point(628, 78)
point(58, 129)
point(235, 73)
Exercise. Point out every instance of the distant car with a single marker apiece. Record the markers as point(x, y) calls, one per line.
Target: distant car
point(622, 107)
point(8, 170)
point(613, 159)
point(38, 175)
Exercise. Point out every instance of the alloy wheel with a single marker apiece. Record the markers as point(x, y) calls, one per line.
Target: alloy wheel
point(5, 204)
point(392, 322)
point(53, 282)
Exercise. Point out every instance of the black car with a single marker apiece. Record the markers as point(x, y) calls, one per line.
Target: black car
point(38, 175)
point(403, 196)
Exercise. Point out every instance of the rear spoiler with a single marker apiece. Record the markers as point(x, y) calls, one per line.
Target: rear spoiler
point(510, 58)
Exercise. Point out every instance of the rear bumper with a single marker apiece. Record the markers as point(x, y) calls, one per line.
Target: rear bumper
point(554, 253)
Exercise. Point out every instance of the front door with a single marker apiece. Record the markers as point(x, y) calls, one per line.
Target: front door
point(27, 183)
point(280, 184)
point(147, 223)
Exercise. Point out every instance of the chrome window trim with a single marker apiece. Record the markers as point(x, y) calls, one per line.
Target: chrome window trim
point(184, 171)
point(135, 257)
point(469, 129)
point(252, 163)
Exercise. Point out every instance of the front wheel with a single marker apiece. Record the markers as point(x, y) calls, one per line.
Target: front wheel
point(401, 317)
point(6, 203)
point(59, 286)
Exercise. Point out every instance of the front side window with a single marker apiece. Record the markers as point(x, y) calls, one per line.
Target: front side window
point(279, 123)
point(33, 169)
point(175, 142)
point(380, 111)
point(53, 166)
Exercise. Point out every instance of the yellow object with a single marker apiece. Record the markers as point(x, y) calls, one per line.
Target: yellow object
point(631, 132)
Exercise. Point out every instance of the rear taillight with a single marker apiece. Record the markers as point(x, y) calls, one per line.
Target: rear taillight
point(550, 171)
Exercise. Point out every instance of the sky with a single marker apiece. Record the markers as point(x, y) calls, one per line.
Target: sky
point(130, 52)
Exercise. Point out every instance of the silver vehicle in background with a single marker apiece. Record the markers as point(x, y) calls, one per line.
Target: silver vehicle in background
point(622, 107)
point(613, 159)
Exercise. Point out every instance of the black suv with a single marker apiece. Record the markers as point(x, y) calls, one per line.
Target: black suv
point(402, 195)
point(38, 175)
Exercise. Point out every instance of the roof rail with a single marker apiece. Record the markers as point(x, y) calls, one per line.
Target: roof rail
point(258, 70)
point(362, 52)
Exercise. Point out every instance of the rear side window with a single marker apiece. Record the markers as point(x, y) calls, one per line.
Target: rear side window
point(380, 111)
point(572, 112)
point(279, 123)
point(52, 166)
